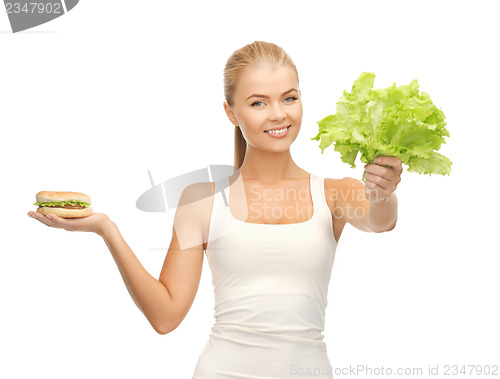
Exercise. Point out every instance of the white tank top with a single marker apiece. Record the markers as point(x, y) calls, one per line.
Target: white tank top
point(270, 284)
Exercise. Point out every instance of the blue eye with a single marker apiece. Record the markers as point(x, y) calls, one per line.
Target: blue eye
point(290, 97)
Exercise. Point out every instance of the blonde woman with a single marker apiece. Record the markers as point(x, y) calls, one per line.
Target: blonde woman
point(270, 232)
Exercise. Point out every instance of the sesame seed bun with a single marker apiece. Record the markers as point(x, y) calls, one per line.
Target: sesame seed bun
point(47, 196)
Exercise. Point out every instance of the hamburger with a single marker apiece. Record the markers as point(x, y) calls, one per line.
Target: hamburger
point(63, 204)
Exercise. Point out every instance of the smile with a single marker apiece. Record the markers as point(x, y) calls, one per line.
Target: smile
point(278, 133)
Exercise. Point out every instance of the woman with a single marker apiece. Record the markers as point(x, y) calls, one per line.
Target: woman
point(270, 232)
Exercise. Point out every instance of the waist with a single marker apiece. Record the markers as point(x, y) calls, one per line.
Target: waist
point(276, 314)
point(240, 352)
point(248, 336)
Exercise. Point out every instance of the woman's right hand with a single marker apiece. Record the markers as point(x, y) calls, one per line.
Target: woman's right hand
point(95, 223)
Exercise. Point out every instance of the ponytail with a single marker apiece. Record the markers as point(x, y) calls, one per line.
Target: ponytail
point(240, 148)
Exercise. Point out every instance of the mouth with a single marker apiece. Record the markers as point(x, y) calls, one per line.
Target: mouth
point(278, 131)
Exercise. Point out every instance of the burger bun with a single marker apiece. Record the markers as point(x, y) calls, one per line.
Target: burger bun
point(48, 196)
point(65, 212)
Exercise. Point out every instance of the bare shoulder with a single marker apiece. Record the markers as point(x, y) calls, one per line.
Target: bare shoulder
point(195, 192)
point(199, 198)
point(339, 188)
point(331, 186)
point(345, 184)
point(342, 191)
point(336, 192)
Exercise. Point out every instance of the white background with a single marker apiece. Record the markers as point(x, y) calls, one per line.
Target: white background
point(92, 100)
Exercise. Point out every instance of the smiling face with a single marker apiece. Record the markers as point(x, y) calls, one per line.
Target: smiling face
point(267, 98)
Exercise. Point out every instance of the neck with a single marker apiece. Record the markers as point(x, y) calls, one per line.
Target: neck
point(268, 166)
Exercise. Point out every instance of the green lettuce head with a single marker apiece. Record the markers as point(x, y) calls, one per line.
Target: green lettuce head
point(394, 121)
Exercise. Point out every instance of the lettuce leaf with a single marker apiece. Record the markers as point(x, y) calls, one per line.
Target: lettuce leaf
point(62, 203)
point(394, 121)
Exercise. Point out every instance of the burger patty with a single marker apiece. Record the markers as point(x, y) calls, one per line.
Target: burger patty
point(69, 206)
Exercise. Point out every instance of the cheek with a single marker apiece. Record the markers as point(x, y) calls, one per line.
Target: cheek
point(296, 114)
point(249, 127)
point(254, 120)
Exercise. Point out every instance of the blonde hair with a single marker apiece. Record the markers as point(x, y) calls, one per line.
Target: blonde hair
point(245, 58)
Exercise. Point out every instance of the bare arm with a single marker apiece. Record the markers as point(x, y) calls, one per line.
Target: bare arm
point(164, 302)
point(372, 206)
point(181, 272)
point(382, 217)
point(148, 293)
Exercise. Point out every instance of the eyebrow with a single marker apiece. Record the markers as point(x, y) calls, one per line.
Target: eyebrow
point(267, 97)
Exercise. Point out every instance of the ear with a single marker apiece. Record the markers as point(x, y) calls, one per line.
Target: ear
point(230, 114)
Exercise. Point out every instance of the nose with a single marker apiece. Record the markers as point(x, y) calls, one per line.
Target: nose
point(277, 113)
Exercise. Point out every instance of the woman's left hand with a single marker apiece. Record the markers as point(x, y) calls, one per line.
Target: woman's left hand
point(382, 178)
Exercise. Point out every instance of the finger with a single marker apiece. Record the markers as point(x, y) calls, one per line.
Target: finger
point(393, 162)
point(64, 223)
point(376, 196)
point(384, 172)
point(53, 219)
point(43, 219)
point(380, 181)
point(375, 192)
point(71, 224)
point(56, 219)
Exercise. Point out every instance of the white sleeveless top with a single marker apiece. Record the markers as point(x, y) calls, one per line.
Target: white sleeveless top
point(270, 284)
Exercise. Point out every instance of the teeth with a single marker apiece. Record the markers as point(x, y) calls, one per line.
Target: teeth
point(277, 131)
